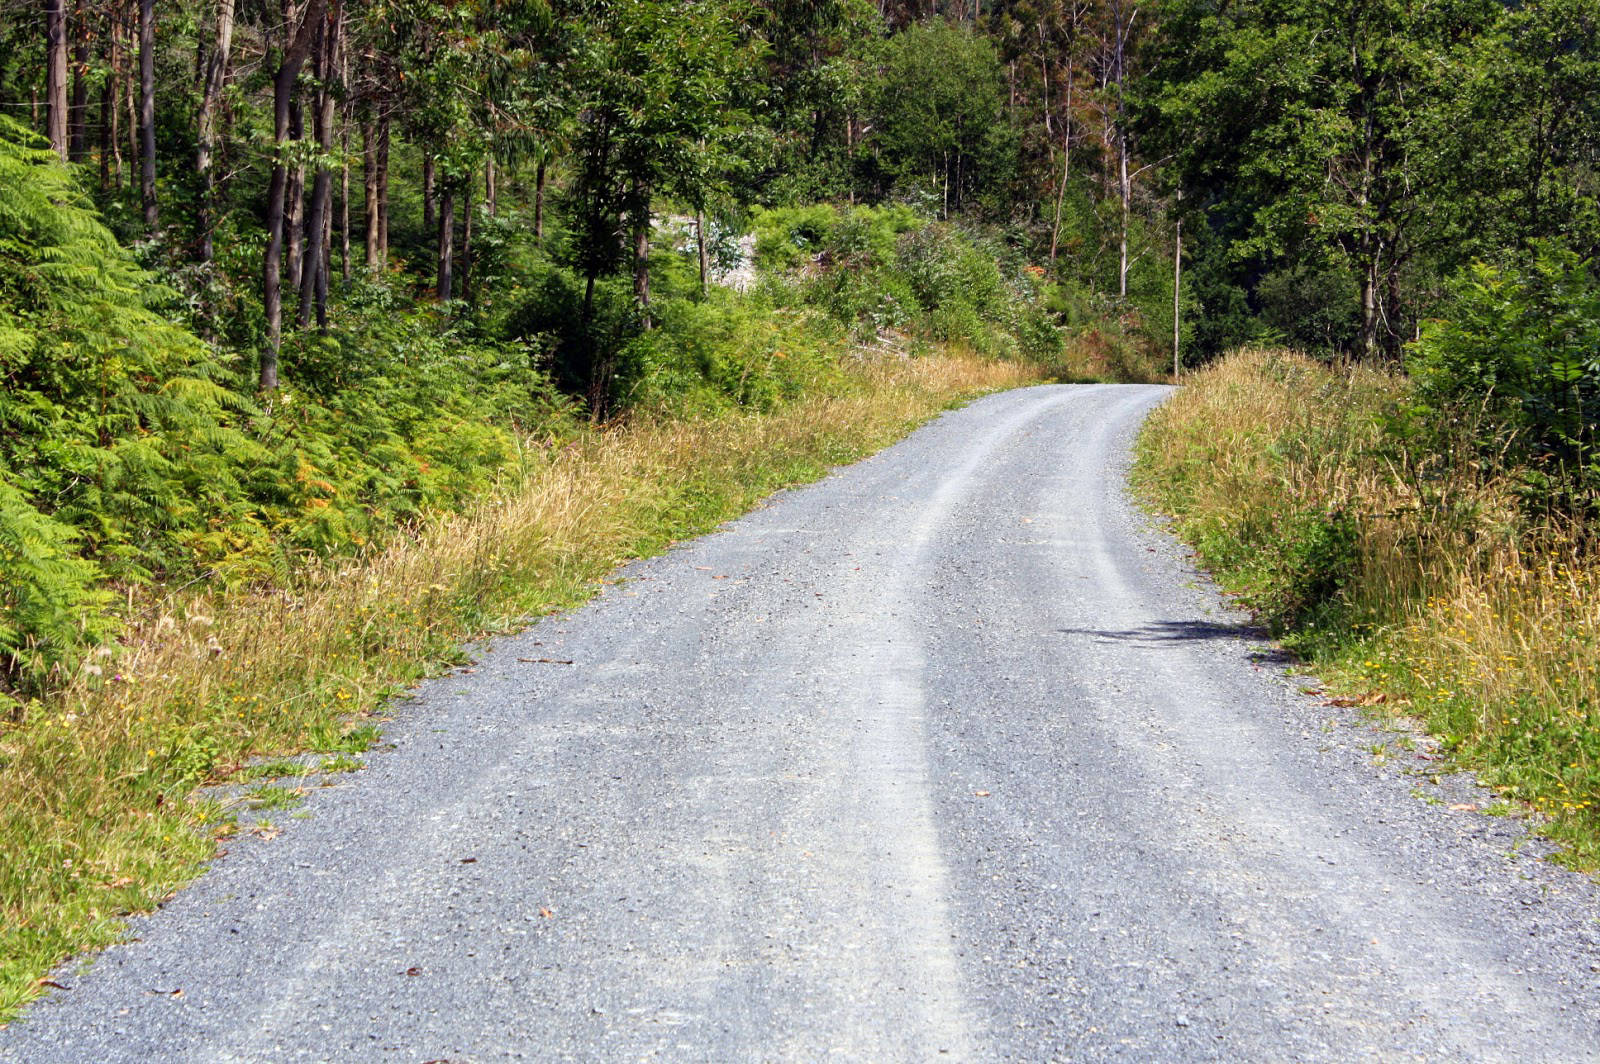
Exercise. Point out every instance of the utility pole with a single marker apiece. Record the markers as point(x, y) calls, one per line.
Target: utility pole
point(1177, 291)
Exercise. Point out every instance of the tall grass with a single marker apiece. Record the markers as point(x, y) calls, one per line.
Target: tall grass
point(1398, 566)
point(96, 819)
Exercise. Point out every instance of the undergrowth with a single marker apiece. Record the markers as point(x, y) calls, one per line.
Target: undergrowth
point(1406, 568)
point(95, 782)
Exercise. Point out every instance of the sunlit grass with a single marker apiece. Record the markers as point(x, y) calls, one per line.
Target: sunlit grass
point(1452, 604)
point(95, 816)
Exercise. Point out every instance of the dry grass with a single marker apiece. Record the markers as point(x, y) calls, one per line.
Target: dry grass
point(1099, 354)
point(95, 816)
point(1397, 566)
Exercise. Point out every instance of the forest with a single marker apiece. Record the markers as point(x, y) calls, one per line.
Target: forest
point(286, 286)
point(302, 268)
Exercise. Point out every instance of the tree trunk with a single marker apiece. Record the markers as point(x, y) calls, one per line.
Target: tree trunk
point(383, 192)
point(466, 240)
point(295, 210)
point(1369, 302)
point(55, 28)
point(111, 101)
point(641, 253)
point(147, 114)
point(344, 201)
point(538, 205)
point(78, 116)
point(314, 260)
point(491, 193)
point(130, 93)
point(345, 118)
point(427, 190)
point(369, 179)
point(1124, 187)
point(1177, 297)
point(210, 103)
point(599, 360)
point(108, 139)
point(705, 255)
point(1125, 190)
point(294, 56)
point(1066, 167)
point(447, 237)
point(326, 265)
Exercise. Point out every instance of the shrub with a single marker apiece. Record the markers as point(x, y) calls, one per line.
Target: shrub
point(1518, 351)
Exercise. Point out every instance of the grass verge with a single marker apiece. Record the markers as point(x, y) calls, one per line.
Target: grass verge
point(96, 816)
point(1411, 579)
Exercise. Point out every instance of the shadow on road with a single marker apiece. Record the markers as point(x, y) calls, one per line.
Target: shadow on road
point(1162, 634)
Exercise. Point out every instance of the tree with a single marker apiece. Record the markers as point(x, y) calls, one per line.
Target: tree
point(941, 115)
point(147, 114)
point(656, 82)
point(1315, 131)
point(56, 74)
point(299, 35)
point(206, 123)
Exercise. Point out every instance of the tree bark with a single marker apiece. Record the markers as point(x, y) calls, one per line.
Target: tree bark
point(314, 260)
point(369, 177)
point(55, 28)
point(295, 210)
point(491, 189)
point(78, 115)
point(130, 92)
point(111, 103)
point(147, 114)
point(1124, 186)
point(641, 253)
point(383, 192)
point(538, 205)
point(1177, 297)
point(344, 201)
point(1066, 166)
point(705, 256)
point(1125, 190)
point(427, 190)
point(447, 236)
point(466, 240)
point(210, 104)
point(108, 118)
point(294, 56)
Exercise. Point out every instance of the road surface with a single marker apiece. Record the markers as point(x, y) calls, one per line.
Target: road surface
point(949, 756)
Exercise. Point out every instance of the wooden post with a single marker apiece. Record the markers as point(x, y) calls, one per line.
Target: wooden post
point(1177, 289)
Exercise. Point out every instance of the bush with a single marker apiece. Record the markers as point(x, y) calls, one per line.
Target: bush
point(1518, 352)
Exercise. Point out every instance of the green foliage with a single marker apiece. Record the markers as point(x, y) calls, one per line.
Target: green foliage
point(1519, 352)
point(51, 607)
point(112, 429)
point(945, 133)
point(789, 237)
point(1375, 146)
point(884, 270)
point(126, 456)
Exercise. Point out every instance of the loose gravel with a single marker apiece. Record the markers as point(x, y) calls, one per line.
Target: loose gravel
point(950, 756)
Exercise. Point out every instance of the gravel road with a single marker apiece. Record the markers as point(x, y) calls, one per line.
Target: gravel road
point(950, 756)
